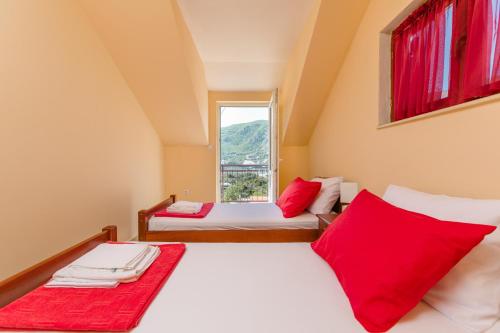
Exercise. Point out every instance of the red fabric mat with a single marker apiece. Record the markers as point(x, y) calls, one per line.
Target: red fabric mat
point(68, 309)
point(207, 207)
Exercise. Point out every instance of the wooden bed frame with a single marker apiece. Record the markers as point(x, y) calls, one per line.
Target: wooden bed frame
point(33, 277)
point(221, 236)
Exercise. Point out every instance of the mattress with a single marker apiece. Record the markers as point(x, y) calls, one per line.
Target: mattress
point(241, 216)
point(264, 288)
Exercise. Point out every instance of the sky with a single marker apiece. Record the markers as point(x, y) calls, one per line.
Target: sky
point(231, 115)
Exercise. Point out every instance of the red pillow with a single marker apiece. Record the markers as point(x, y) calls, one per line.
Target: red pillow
point(297, 196)
point(387, 258)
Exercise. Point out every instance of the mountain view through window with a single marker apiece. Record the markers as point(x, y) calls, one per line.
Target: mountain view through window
point(244, 154)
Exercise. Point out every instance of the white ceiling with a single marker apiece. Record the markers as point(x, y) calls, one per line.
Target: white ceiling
point(245, 44)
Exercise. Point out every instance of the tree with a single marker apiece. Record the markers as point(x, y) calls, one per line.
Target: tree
point(244, 186)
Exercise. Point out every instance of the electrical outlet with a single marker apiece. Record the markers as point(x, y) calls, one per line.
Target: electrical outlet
point(187, 192)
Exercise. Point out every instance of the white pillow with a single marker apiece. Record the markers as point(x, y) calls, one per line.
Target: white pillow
point(327, 196)
point(470, 293)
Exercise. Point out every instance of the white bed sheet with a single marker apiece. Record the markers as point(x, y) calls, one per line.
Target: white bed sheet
point(241, 216)
point(264, 288)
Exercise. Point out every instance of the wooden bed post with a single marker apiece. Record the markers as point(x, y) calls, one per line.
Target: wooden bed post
point(112, 232)
point(34, 276)
point(144, 215)
point(143, 224)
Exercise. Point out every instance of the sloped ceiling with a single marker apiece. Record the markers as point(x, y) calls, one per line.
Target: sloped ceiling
point(245, 44)
point(153, 49)
point(314, 65)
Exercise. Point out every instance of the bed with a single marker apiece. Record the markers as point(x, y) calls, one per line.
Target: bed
point(242, 222)
point(243, 288)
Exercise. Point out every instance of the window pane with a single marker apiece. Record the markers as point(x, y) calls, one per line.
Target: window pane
point(495, 4)
point(447, 51)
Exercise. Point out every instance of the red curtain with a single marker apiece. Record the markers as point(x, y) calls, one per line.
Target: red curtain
point(423, 79)
point(481, 75)
point(419, 61)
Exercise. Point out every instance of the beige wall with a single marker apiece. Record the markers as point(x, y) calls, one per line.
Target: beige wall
point(294, 68)
point(293, 164)
point(455, 153)
point(77, 151)
point(314, 65)
point(190, 168)
point(153, 48)
point(195, 66)
point(193, 168)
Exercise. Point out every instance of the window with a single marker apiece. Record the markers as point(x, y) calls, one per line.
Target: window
point(445, 53)
point(245, 153)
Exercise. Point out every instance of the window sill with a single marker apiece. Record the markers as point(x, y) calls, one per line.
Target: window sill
point(454, 108)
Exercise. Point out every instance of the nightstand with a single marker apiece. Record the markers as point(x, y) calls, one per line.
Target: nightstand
point(324, 221)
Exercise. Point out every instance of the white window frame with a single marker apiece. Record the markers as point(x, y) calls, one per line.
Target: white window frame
point(385, 77)
point(385, 65)
point(273, 127)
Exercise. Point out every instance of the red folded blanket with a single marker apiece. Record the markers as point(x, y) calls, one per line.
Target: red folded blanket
point(205, 209)
point(67, 309)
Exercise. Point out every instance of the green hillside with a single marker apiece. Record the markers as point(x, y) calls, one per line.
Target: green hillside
point(245, 142)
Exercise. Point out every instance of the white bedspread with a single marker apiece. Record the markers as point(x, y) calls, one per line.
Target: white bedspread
point(241, 216)
point(264, 288)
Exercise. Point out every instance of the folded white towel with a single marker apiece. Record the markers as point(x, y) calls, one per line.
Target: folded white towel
point(183, 203)
point(80, 283)
point(112, 256)
point(118, 275)
point(185, 207)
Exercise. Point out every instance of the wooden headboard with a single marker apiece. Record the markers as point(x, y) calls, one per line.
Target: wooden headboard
point(145, 214)
point(33, 277)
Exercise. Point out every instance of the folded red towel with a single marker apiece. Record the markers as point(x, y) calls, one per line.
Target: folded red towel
point(66, 309)
point(205, 209)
